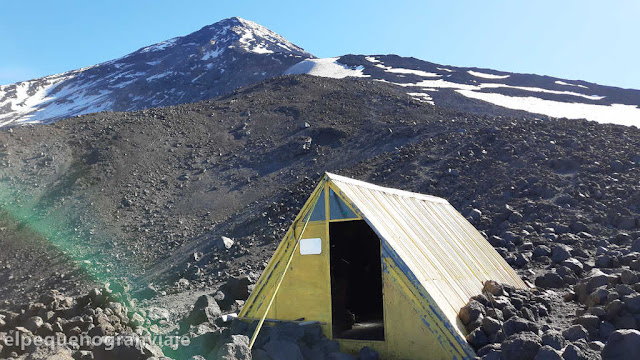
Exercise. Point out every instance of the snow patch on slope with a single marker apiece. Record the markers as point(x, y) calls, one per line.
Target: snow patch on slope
point(567, 84)
point(615, 113)
point(379, 64)
point(621, 114)
point(407, 71)
point(160, 46)
point(424, 97)
point(327, 67)
point(487, 76)
point(23, 98)
point(440, 83)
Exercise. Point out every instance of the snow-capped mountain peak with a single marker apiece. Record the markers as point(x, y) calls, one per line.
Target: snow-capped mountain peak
point(209, 62)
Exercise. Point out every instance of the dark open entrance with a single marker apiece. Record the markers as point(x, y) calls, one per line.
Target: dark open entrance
point(356, 281)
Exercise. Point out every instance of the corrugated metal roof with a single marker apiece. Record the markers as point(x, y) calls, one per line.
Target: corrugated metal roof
point(445, 253)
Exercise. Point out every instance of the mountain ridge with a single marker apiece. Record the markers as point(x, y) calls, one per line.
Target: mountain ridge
point(234, 52)
point(206, 63)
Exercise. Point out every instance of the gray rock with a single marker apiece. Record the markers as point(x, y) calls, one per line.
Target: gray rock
point(599, 296)
point(574, 352)
point(495, 313)
point(522, 259)
point(550, 280)
point(493, 355)
point(287, 332)
point(604, 261)
point(46, 353)
point(125, 346)
point(471, 312)
point(202, 344)
point(491, 326)
point(596, 345)
point(628, 277)
point(632, 303)
point(475, 214)
point(625, 321)
point(283, 350)
point(223, 243)
point(516, 324)
point(541, 250)
point(34, 323)
point(494, 288)
point(575, 332)
point(488, 348)
point(235, 349)
point(589, 322)
point(136, 320)
point(560, 253)
point(574, 264)
point(548, 353)
point(595, 280)
point(553, 339)
point(259, 354)
point(621, 344)
point(156, 314)
point(606, 329)
point(521, 346)
point(206, 309)
point(477, 338)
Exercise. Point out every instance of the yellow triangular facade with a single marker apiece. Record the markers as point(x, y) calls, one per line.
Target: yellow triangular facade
point(432, 261)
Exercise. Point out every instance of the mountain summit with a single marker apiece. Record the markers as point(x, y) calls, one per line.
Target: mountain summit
point(234, 52)
point(209, 62)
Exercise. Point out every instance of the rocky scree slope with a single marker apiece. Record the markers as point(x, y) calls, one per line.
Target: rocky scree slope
point(149, 194)
point(209, 62)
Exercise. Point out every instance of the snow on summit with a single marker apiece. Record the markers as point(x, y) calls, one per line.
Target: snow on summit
point(209, 62)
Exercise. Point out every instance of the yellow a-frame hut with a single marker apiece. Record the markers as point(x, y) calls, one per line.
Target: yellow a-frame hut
point(379, 267)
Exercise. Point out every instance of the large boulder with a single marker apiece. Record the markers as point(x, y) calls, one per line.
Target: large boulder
point(553, 339)
point(477, 338)
point(560, 253)
point(621, 345)
point(546, 352)
point(550, 280)
point(521, 346)
point(595, 280)
point(471, 312)
point(283, 350)
point(206, 309)
point(517, 324)
point(123, 346)
point(579, 351)
point(237, 348)
point(575, 332)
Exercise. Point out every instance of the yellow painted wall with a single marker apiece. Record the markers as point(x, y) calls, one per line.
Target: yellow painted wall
point(409, 333)
point(306, 289)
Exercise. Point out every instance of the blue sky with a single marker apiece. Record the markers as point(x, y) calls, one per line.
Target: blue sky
point(595, 41)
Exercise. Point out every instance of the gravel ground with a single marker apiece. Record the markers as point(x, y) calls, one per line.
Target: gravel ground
point(147, 196)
